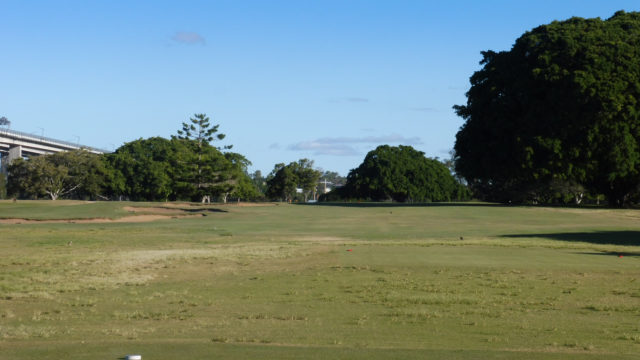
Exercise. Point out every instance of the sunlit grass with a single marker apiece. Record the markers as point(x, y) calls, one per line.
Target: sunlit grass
point(293, 281)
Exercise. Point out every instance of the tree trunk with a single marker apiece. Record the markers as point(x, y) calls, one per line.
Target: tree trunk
point(578, 198)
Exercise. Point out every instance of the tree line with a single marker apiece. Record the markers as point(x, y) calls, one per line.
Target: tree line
point(188, 166)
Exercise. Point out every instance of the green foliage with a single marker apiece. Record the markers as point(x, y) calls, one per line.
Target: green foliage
point(72, 174)
point(148, 169)
point(560, 106)
point(243, 186)
point(401, 174)
point(246, 190)
point(206, 171)
point(259, 181)
point(187, 167)
point(158, 169)
point(281, 183)
point(284, 180)
point(200, 131)
point(3, 186)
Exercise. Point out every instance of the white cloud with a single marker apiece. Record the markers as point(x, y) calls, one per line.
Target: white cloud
point(342, 146)
point(320, 148)
point(393, 138)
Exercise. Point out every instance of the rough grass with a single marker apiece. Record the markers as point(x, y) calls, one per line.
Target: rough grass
point(291, 281)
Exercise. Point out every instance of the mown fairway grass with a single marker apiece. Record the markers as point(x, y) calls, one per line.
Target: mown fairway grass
point(449, 281)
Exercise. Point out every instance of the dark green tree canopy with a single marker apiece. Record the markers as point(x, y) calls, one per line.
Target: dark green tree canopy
point(401, 173)
point(560, 106)
point(148, 168)
point(162, 169)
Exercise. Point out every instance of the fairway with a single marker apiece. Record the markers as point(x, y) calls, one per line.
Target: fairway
point(346, 281)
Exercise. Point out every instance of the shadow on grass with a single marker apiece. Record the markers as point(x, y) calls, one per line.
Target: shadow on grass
point(183, 209)
point(189, 210)
point(366, 204)
point(401, 204)
point(629, 238)
point(612, 253)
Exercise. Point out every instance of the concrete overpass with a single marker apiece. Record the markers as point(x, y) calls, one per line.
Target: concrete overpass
point(16, 144)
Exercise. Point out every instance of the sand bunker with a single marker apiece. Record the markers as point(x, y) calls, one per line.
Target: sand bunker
point(125, 219)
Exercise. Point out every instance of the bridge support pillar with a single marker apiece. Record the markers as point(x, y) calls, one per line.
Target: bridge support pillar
point(14, 153)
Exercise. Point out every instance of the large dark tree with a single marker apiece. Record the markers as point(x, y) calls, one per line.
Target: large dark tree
point(401, 173)
point(560, 107)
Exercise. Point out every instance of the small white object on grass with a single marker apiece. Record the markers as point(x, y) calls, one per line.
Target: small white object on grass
point(133, 357)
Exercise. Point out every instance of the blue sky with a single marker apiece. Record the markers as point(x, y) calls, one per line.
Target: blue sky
point(325, 80)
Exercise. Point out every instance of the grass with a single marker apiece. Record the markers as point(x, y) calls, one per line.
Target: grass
point(439, 282)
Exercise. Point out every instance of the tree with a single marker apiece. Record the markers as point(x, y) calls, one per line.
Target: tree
point(306, 177)
point(401, 174)
point(259, 181)
point(147, 169)
point(207, 171)
point(4, 121)
point(201, 131)
point(562, 106)
point(243, 186)
point(281, 183)
point(76, 173)
point(285, 180)
point(245, 189)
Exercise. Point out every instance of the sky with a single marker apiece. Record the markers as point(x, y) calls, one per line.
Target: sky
point(285, 80)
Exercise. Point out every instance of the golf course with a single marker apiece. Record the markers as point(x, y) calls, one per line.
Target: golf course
point(85, 280)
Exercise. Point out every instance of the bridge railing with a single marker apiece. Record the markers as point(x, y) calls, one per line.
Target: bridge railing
point(7, 132)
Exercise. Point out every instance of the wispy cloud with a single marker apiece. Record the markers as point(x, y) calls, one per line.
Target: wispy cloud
point(320, 148)
point(274, 146)
point(393, 138)
point(188, 38)
point(344, 146)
